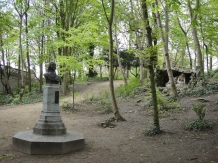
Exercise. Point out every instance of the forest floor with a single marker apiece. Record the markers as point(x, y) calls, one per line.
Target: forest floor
point(126, 142)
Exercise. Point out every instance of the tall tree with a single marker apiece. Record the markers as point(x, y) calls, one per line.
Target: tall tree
point(21, 7)
point(193, 16)
point(165, 38)
point(118, 51)
point(8, 41)
point(27, 51)
point(6, 77)
point(111, 73)
point(139, 39)
point(151, 63)
point(185, 32)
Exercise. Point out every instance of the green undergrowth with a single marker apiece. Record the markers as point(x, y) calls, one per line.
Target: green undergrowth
point(165, 103)
point(101, 101)
point(5, 156)
point(209, 86)
point(132, 89)
point(200, 123)
point(67, 106)
point(154, 130)
point(28, 97)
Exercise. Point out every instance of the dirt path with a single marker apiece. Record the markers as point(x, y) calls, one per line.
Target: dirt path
point(125, 143)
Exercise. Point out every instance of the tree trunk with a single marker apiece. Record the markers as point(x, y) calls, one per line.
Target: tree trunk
point(189, 55)
point(100, 72)
point(207, 57)
point(211, 63)
point(6, 78)
point(118, 52)
point(22, 62)
point(65, 83)
point(41, 64)
point(186, 42)
point(199, 60)
point(111, 73)
point(139, 46)
point(91, 66)
point(21, 13)
point(27, 52)
point(165, 47)
point(151, 64)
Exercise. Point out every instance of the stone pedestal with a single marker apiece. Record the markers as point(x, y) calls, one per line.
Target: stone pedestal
point(49, 135)
point(50, 122)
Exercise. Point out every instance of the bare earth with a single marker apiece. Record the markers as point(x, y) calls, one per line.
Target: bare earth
point(126, 143)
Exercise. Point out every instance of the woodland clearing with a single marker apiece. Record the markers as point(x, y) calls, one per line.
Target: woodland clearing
point(126, 142)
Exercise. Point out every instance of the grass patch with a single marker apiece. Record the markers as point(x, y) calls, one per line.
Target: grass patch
point(102, 102)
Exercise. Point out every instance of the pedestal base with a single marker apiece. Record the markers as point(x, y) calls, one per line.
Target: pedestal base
point(30, 143)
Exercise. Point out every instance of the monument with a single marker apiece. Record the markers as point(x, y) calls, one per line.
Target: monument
point(49, 135)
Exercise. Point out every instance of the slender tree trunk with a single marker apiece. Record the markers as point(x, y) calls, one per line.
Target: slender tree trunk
point(23, 10)
point(165, 47)
point(189, 54)
point(27, 52)
point(91, 66)
point(186, 42)
point(100, 72)
point(6, 78)
point(211, 63)
point(139, 46)
point(193, 17)
point(22, 61)
point(41, 64)
point(151, 64)
point(207, 57)
point(118, 52)
point(111, 73)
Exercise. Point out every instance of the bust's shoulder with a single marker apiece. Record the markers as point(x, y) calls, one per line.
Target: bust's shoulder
point(46, 74)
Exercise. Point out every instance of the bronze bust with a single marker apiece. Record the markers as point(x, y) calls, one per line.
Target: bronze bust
point(50, 76)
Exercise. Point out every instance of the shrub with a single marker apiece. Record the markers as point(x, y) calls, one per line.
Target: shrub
point(200, 123)
point(130, 90)
point(199, 110)
point(164, 103)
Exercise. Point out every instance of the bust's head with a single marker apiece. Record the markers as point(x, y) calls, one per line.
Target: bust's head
point(51, 67)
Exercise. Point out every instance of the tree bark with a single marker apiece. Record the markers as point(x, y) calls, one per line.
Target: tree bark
point(21, 13)
point(118, 52)
point(151, 64)
point(193, 17)
point(111, 73)
point(165, 47)
point(139, 46)
point(91, 66)
point(6, 78)
point(27, 52)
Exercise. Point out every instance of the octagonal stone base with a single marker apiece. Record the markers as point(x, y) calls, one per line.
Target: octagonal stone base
point(30, 143)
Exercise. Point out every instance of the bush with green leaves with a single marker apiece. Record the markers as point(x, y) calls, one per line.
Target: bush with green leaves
point(199, 110)
point(200, 123)
point(28, 97)
point(164, 103)
point(130, 90)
